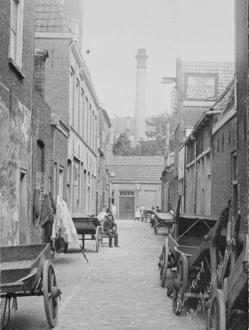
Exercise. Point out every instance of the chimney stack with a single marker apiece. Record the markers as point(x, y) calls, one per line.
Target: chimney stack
point(140, 106)
point(39, 70)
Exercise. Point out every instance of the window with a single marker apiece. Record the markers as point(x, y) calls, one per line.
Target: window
point(77, 105)
point(126, 193)
point(60, 179)
point(83, 113)
point(16, 31)
point(71, 95)
point(23, 206)
point(40, 156)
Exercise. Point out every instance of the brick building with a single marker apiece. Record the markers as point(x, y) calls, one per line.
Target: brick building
point(16, 80)
point(197, 87)
point(136, 183)
point(70, 93)
point(208, 159)
point(104, 158)
point(49, 144)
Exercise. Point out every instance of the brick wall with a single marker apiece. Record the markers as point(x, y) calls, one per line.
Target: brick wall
point(15, 131)
point(22, 88)
point(40, 179)
point(57, 71)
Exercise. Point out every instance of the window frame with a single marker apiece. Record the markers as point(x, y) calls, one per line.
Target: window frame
point(15, 55)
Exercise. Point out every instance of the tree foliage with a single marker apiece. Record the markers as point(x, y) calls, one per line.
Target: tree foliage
point(122, 147)
point(154, 146)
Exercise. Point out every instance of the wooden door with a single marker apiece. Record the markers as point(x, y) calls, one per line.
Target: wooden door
point(126, 207)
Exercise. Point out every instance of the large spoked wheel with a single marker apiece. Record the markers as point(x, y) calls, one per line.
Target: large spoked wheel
point(98, 238)
point(163, 271)
point(50, 293)
point(217, 311)
point(182, 272)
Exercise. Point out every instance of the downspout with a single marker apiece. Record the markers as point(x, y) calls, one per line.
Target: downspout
point(195, 187)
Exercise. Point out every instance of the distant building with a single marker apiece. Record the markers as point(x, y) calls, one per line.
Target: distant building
point(104, 158)
point(136, 183)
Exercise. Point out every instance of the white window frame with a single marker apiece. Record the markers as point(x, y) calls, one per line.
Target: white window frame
point(16, 37)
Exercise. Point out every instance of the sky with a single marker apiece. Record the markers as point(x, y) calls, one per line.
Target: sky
point(113, 30)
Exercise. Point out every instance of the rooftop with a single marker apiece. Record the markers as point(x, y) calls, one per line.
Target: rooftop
point(137, 168)
point(50, 16)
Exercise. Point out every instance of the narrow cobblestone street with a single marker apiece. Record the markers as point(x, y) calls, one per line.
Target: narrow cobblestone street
point(118, 289)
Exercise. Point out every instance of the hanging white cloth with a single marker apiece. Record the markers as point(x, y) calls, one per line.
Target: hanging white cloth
point(63, 225)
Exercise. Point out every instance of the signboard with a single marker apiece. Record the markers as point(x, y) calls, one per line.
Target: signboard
point(200, 86)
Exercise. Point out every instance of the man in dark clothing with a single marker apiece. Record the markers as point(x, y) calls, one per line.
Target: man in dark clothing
point(110, 229)
point(47, 217)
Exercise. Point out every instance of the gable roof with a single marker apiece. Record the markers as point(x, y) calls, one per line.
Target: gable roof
point(50, 16)
point(137, 168)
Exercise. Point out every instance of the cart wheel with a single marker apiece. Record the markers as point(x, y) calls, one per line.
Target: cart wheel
point(182, 272)
point(217, 311)
point(163, 271)
point(177, 300)
point(50, 293)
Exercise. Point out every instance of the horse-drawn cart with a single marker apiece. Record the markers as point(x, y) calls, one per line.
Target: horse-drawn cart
point(89, 229)
point(28, 271)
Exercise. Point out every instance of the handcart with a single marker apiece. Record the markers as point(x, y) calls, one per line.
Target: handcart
point(28, 271)
point(207, 264)
point(146, 214)
point(162, 220)
point(89, 229)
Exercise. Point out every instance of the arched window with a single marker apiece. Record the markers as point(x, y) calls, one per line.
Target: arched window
point(40, 156)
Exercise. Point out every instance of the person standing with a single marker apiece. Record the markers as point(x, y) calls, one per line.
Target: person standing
point(47, 217)
point(137, 215)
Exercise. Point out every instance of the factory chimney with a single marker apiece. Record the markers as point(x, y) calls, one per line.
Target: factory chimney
point(140, 105)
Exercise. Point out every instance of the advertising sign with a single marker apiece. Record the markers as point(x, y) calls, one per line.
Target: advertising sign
point(200, 86)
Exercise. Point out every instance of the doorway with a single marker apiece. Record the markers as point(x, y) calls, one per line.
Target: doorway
point(126, 205)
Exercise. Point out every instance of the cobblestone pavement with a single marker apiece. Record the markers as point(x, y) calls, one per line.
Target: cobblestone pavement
point(118, 289)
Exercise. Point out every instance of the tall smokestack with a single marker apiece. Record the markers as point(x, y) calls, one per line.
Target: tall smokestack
point(140, 107)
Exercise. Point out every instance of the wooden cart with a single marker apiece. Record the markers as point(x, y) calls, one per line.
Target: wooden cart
point(162, 220)
point(181, 251)
point(208, 269)
point(28, 271)
point(88, 228)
